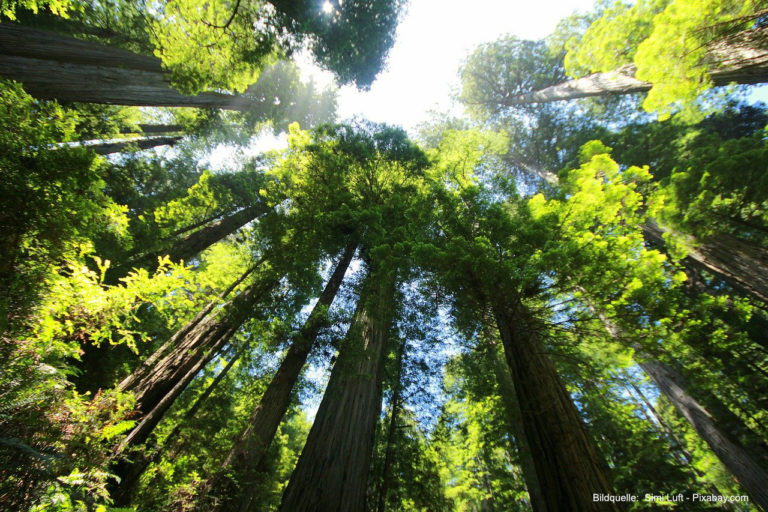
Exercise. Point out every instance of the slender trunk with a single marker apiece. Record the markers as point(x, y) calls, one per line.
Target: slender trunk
point(192, 244)
point(248, 451)
point(130, 477)
point(386, 471)
point(332, 471)
point(741, 264)
point(195, 345)
point(108, 148)
point(515, 417)
point(567, 465)
point(737, 460)
point(740, 58)
point(148, 364)
point(747, 472)
point(160, 128)
point(55, 66)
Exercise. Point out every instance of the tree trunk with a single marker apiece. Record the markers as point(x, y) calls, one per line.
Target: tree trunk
point(515, 417)
point(567, 466)
point(248, 451)
point(747, 472)
point(196, 344)
point(108, 148)
point(54, 66)
point(192, 244)
point(160, 128)
point(332, 471)
point(740, 58)
point(737, 460)
point(130, 477)
point(743, 265)
point(386, 471)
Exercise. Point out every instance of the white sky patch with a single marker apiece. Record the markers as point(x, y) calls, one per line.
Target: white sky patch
point(433, 38)
point(228, 156)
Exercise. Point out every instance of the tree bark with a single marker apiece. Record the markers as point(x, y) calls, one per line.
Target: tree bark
point(248, 451)
point(130, 477)
point(747, 472)
point(332, 471)
point(741, 58)
point(737, 460)
point(567, 465)
point(194, 345)
point(515, 417)
point(187, 247)
point(386, 471)
point(743, 265)
point(160, 128)
point(54, 66)
point(108, 148)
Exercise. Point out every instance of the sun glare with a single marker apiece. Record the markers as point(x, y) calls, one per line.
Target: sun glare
point(327, 7)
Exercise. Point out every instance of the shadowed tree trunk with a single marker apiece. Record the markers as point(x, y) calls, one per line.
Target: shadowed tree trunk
point(108, 148)
point(567, 465)
point(743, 265)
point(187, 247)
point(195, 342)
point(247, 453)
point(123, 490)
point(709, 426)
point(740, 58)
point(54, 66)
point(740, 464)
point(386, 471)
point(332, 471)
point(515, 416)
point(160, 128)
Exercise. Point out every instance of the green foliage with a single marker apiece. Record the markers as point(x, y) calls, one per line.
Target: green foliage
point(667, 41)
point(57, 7)
point(64, 185)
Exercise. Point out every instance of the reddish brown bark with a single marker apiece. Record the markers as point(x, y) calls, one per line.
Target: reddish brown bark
point(332, 471)
point(567, 466)
point(248, 451)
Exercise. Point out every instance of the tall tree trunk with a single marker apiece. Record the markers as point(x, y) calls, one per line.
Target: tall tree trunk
point(107, 148)
point(332, 471)
point(54, 66)
point(153, 383)
point(747, 472)
point(740, 58)
point(515, 417)
point(130, 477)
point(248, 451)
point(192, 244)
point(160, 128)
point(737, 460)
point(394, 413)
point(567, 465)
point(741, 264)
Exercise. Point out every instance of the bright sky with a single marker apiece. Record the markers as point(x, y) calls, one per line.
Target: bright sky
point(433, 39)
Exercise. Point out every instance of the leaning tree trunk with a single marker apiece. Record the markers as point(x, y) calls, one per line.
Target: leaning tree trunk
point(54, 66)
point(160, 128)
point(709, 426)
point(248, 452)
point(192, 244)
point(567, 465)
point(743, 265)
point(108, 148)
point(197, 342)
point(515, 418)
point(332, 471)
point(735, 458)
point(397, 398)
point(123, 490)
point(741, 58)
